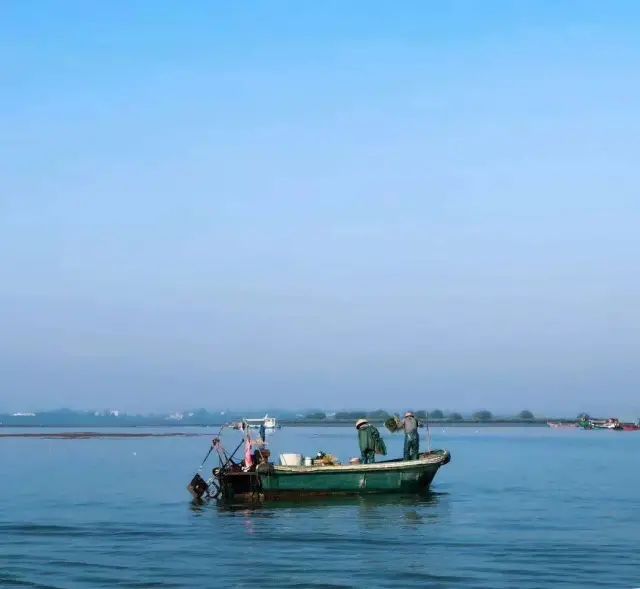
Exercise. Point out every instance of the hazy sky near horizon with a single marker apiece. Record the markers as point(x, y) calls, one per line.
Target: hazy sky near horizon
point(334, 204)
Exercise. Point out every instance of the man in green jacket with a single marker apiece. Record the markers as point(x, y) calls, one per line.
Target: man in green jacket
point(370, 441)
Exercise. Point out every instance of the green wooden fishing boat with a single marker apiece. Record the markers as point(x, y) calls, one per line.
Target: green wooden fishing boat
point(391, 476)
point(268, 481)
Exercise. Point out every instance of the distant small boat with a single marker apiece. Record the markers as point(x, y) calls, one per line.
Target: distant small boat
point(611, 423)
point(270, 423)
point(561, 424)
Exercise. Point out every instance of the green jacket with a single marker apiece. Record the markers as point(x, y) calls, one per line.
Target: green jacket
point(369, 439)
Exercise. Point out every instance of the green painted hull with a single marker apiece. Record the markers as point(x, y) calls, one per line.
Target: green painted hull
point(383, 477)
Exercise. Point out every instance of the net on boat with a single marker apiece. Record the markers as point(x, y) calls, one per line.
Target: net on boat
point(393, 424)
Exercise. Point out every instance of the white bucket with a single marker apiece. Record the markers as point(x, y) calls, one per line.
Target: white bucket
point(308, 461)
point(291, 459)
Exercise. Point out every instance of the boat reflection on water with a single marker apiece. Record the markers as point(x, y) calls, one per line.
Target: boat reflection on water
point(370, 514)
point(415, 508)
point(426, 498)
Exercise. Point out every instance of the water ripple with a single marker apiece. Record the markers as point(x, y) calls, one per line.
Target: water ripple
point(522, 521)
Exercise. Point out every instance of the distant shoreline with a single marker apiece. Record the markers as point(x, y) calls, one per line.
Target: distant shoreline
point(438, 423)
point(283, 423)
point(97, 435)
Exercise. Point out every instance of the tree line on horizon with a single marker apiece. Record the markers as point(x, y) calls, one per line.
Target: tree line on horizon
point(435, 414)
point(76, 418)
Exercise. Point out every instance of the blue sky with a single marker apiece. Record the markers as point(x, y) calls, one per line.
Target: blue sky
point(320, 204)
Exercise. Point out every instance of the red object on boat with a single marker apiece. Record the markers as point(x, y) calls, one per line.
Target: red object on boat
point(630, 427)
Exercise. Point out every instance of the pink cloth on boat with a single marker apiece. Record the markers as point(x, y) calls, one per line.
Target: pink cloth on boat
point(248, 456)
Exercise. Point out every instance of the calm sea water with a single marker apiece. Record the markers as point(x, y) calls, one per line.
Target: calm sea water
point(516, 507)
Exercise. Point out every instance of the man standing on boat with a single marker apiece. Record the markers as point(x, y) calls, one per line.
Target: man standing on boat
point(370, 441)
point(411, 439)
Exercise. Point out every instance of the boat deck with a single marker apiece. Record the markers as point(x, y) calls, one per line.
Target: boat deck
point(427, 459)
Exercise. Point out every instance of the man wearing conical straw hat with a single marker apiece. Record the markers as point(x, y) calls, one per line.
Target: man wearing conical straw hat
point(370, 441)
point(411, 439)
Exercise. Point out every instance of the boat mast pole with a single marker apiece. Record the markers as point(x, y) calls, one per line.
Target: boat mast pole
point(428, 434)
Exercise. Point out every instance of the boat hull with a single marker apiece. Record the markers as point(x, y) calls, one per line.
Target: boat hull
point(397, 476)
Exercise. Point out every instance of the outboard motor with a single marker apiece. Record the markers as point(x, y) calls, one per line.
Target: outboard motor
point(198, 487)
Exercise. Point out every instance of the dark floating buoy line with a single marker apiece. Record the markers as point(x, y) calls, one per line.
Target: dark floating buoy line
point(98, 435)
